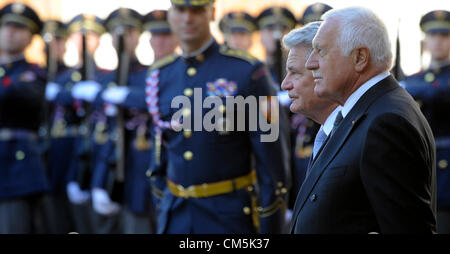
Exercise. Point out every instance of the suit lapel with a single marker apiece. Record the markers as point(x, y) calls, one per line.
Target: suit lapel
point(337, 140)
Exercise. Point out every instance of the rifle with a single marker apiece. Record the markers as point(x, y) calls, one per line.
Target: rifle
point(397, 69)
point(52, 67)
point(278, 64)
point(84, 171)
point(116, 188)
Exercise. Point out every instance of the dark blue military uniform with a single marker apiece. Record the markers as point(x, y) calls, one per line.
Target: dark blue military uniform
point(23, 180)
point(431, 89)
point(136, 195)
point(22, 87)
point(211, 184)
point(67, 128)
point(69, 158)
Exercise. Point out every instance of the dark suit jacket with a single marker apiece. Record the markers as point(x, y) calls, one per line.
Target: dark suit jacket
point(376, 173)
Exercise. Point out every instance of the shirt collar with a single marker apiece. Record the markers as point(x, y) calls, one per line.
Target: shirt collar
point(356, 95)
point(16, 58)
point(200, 50)
point(327, 127)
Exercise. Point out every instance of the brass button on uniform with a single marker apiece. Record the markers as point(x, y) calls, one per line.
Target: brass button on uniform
point(247, 210)
point(280, 184)
point(148, 173)
point(188, 155)
point(250, 188)
point(443, 164)
point(76, 76)
point(188, 92)
point(20, 155)
point(283, 191)
point(429, 77)
point(191, 71)
point(187, 133)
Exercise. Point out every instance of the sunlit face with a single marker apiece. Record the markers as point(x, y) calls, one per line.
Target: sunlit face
point(14, 39)
point(240, 40)
point(163, 44)
point(331, 70)
point(439, 45)
point(92, 39)
point(300, 84)
point(131, 37)
point(191, 24)
point(58, 47)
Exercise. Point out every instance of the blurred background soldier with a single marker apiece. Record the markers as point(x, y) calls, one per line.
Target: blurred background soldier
point(54, 35)
point(210, 181)
point(24, 206)
point(274, 23)
point(431, 89)
point(238, 28)
point(70, 147)
point(139, 209)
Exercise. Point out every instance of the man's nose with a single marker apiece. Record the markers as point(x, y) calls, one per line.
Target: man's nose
point(312, 63)
point(286, 84)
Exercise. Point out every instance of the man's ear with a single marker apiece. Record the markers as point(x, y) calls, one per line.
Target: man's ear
point(360, 58)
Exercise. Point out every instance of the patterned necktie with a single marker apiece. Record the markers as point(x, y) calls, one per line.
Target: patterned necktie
point(337, 121)
point(318, 142)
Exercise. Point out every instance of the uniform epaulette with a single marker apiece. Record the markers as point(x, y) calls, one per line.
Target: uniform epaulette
point(227, 51)
point(163, 62)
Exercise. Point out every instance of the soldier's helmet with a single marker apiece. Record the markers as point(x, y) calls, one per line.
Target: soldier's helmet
point(437, 21)
point(314, 12)
point(237, 21)
point(21, 15)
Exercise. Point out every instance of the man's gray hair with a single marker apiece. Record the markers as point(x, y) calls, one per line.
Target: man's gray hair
point(301, 36)
point(359, 26)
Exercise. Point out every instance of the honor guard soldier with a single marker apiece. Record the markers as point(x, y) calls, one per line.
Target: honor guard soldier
point(55, 35)
point(139, 212)
point(274, 23)
point(238, 28)
point(70, 119)
point(122, 136)
point(24, 204)
point(211, 184)
point(431, 89)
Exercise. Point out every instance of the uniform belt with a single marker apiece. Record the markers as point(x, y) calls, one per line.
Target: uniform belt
point(69, 131)
point(212, 189)
point(11, 134)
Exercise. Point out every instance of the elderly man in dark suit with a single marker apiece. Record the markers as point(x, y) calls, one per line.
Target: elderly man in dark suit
point(376, 170)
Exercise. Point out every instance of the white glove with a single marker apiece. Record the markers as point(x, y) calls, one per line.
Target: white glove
point(51, 90)
point(111, 110)
point(115, 95)
point(86, 90)
point(102, 203)
point(76, 195)
point(283, 97)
